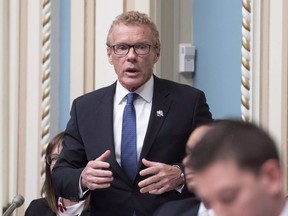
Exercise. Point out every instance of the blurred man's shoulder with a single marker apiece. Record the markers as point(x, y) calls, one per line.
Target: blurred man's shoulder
point(188, 206)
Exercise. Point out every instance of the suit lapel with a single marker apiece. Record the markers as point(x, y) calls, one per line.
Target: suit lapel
point(104, 123)
point(160, 107)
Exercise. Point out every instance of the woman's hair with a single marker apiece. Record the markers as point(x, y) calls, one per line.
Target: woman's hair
point(47, 189)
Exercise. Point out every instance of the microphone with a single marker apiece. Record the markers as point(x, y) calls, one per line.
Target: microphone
point(17, 201)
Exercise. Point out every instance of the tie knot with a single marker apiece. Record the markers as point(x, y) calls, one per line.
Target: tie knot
point(131, 97)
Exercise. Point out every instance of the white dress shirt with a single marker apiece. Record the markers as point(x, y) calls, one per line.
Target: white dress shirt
point(142, 104)
point(285, 209)
point(203, 211)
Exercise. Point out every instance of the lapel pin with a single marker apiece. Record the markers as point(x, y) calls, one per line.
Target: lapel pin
point(159, 113)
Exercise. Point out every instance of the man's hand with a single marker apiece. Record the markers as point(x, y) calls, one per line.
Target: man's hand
point(95, 175)
point(163, 177)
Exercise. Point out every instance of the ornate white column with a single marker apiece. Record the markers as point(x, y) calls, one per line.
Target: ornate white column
point(45, 81)
point(246, 61)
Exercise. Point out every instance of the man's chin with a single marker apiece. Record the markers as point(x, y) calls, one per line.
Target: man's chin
point(132, 84)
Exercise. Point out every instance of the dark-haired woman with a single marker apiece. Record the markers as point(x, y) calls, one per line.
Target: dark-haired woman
point(51, 205)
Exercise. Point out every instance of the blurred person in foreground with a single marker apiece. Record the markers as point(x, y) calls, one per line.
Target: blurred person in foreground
point(189, 206)
point(51, 205)
point(237, 171)
point(124, 143)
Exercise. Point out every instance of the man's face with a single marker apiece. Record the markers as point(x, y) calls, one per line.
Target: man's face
point(231, 191)
point(133, 70)
point(195, 137)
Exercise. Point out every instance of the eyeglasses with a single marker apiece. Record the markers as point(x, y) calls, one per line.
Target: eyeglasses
point(123, 49)
point(51, 159)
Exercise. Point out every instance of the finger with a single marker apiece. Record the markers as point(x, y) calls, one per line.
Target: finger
point(104, 180)
point(151, 187)
point(93, 185)
point(149, 171)
point(98, 165)
point(93, 182)
point(98, 186)
point(153, 191)
point(100, 180)
point(148, 163)
point(148, 181)
point(159, 189)
point(104, 156)
point(99, 173)
point(100, 162)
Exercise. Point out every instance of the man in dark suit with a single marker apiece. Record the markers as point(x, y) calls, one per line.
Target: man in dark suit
point(129, 173)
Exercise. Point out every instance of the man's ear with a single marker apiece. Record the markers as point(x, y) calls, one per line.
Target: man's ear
point(157, 55)
point(272, 177)
point(109, 54)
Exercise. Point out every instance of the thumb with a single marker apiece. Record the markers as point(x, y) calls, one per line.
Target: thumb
point(104, 156)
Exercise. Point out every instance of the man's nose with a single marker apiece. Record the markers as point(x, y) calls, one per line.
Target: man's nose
point(131, 55)
point(184, 161)
point(131, 52)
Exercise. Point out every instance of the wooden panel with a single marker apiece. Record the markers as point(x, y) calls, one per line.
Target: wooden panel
point(77, 49)
point(89, 51)
point(284, 148)
point(22, 102)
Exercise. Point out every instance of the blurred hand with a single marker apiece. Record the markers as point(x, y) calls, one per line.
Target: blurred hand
point(95, 175)
point(162, 177)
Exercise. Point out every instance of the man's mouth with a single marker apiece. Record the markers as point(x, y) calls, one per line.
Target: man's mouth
point(131, 70)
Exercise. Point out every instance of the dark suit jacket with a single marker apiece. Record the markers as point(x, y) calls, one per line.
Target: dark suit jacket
point(183, 207)
point(89, 133)
point(40, 207)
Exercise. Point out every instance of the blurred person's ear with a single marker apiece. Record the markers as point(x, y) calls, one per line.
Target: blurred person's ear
point(271, 177)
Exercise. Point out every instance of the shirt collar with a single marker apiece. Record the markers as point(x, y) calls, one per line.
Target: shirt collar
point(202, 209)
point(145, 91)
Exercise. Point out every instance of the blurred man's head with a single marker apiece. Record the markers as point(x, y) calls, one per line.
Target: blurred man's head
point(238, 171)
point(194, 138)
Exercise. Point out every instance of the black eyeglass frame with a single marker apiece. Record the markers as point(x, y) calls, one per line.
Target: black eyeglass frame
point(51, 158)
point(131, 46)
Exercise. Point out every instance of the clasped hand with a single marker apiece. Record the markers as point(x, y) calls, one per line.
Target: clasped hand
point(96, 174)
point(162, 177)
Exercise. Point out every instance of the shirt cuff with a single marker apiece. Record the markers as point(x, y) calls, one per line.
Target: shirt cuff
point(180, 187)
point(81, 193)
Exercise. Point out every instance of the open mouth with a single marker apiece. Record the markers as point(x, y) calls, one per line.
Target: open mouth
point(131, 70)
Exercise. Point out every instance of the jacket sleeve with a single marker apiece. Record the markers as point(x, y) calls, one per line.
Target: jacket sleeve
point(202, 113)
point(67, 170)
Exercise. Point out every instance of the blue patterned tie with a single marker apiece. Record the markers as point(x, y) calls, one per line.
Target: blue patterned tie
point(128, 139)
